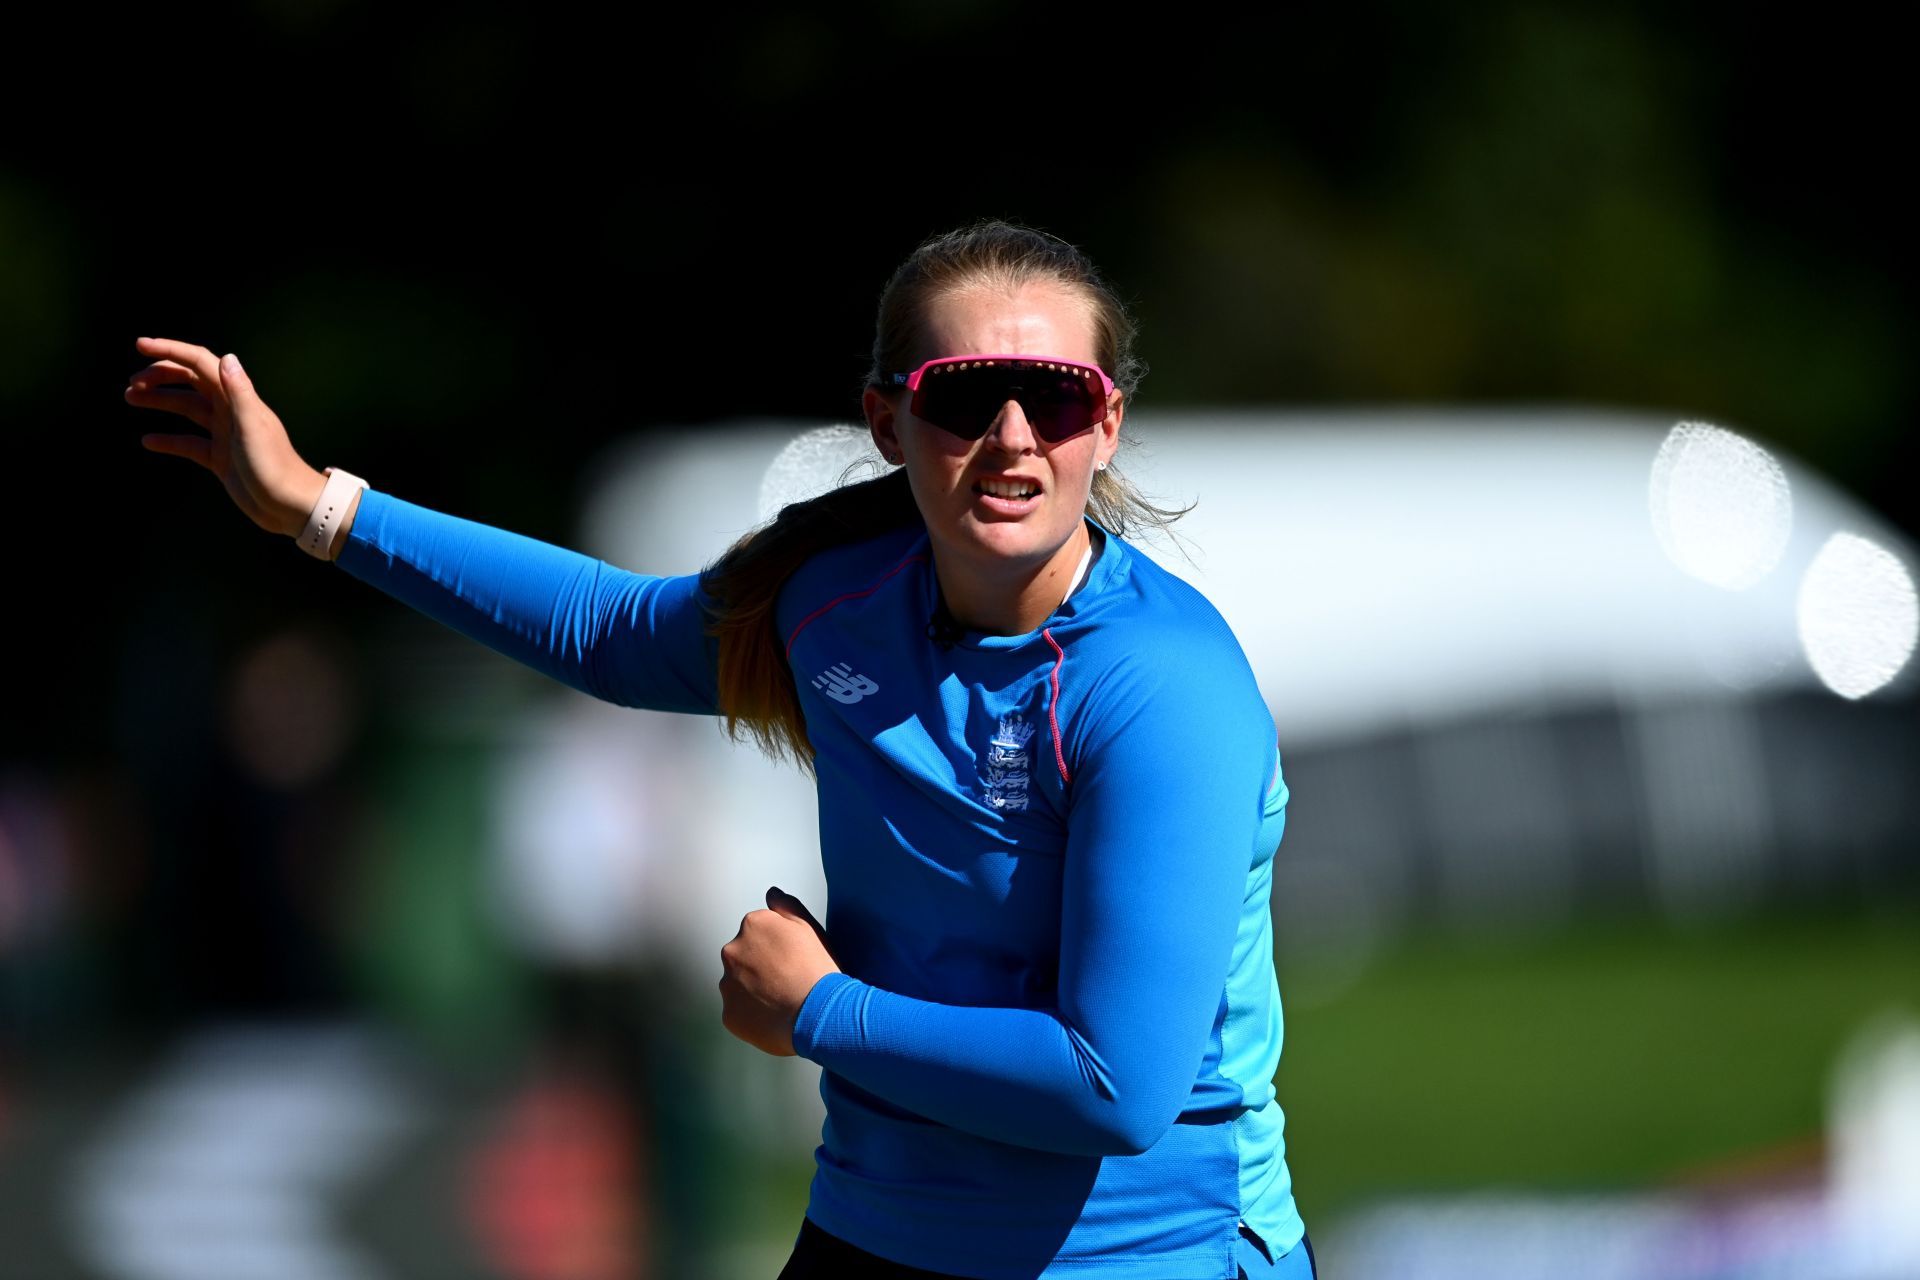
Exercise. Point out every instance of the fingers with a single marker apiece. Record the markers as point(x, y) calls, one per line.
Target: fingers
point(164, 372)
point(193, 448)
point(177, 381)
point(181, 400)
point(200, 360)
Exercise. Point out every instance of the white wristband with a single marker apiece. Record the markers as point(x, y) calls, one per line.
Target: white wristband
point(323, 523)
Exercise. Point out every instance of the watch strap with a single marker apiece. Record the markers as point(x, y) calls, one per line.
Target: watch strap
point(323, 522)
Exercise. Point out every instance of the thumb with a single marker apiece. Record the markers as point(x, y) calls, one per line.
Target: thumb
point(786, 904)
point(234, 379)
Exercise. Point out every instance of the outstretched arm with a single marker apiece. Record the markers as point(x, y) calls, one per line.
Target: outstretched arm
point(629, 638)
point(633, 639)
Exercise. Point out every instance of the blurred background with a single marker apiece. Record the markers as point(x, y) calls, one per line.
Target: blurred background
point(335, 945)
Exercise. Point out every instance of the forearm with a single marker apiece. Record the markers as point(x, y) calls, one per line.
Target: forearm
point(628, 638)
point(1020, 1076)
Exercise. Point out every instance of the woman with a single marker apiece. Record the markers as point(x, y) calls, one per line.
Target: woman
point(1050, 792)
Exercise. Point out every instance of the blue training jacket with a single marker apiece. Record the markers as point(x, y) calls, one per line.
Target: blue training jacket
point(1049, 863)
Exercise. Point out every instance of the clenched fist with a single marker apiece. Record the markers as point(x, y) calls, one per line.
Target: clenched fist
point(767, 971)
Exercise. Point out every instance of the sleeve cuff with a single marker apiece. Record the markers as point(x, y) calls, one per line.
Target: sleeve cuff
point(813, 1012)
point(360, 537)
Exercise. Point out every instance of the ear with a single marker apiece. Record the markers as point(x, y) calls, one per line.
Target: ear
point(1107, 434)
point(881, 422)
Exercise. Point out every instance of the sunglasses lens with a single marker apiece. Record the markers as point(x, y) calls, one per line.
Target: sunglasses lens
point(1060, 400)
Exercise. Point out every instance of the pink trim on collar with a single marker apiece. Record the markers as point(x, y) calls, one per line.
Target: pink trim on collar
point(851, 595)
point(1053, 718)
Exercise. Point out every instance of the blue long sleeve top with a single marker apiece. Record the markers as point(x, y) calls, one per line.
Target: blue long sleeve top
point(1048, 856)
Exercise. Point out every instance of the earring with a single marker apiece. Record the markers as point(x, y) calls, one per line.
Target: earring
point(1100, 465)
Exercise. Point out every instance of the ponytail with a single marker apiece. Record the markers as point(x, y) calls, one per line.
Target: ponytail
point(758, 698)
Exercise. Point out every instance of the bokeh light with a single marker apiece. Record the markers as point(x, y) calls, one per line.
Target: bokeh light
point(1721, 506)
point(1858, 616)
point(814, 462)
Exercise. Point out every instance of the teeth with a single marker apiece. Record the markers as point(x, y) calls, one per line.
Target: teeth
point(1008, 488)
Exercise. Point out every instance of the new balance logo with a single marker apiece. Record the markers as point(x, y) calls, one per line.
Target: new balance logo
point(842, 685)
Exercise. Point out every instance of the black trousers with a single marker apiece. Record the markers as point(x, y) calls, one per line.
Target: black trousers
point(819, 1256)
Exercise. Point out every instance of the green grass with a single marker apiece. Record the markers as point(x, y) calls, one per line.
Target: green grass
point(1614, 1055)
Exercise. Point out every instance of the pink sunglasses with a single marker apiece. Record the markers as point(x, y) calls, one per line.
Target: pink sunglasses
point(964, 394)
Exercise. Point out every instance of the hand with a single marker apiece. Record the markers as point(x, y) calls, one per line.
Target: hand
point(767, 970)
point(248, 448)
